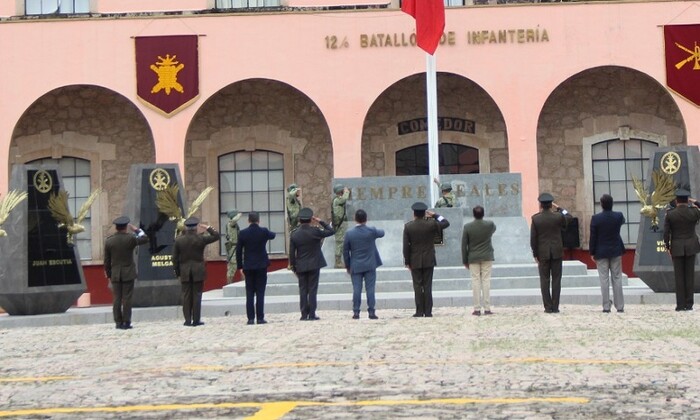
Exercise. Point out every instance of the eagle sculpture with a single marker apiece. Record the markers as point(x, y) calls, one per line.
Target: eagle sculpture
point(9, 202)
point(58, 205)
point(166, 200)
point(664, 192)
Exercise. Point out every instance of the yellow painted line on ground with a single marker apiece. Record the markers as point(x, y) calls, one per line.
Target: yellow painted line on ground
point(598, 362)
point(276, 410)
point(38, 379)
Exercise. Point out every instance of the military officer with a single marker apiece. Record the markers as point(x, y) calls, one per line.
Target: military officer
point(448, 198)
point(293, 206)
point(120, 268)
point(188, 262)
point(340, 221)
point(232, 230)
point(682, 243)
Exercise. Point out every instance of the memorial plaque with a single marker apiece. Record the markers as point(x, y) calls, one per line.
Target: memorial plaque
point(39, 272)
point(156, 284)
point(652, 263)
point(388, 201)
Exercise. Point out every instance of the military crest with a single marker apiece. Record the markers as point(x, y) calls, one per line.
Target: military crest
point(167, 72)
point(682, 44)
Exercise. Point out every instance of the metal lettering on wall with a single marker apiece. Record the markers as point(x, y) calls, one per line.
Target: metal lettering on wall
point(51, 261)
point(444, 124)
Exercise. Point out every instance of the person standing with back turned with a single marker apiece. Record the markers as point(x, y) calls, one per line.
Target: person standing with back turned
point(682, 243)
point(606, 249)
point(477, 257)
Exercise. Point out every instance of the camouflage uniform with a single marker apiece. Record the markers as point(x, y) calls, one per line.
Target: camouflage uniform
point(232, 230)
point(340, 219)
point(448, 198)
point(293, 207)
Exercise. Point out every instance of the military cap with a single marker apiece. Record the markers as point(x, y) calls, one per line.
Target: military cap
point(446, 186)
point(338, 188)
point(233, 213)
point(545, 198)
point(681, 192)
point(306, 214)
point(419, 206)
point(121, 221)
point(292, 187)
point(192, 221)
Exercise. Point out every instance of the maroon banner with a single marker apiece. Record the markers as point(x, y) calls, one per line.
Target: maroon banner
point(167, 71)
point(683, 60)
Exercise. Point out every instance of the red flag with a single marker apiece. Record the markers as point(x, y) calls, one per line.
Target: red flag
point(682, 44)
point(430, 21)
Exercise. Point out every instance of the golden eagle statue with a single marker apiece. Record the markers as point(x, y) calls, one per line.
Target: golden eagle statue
point(11, 200)
point(166, 200)
point(58, 205)
point(664, 192)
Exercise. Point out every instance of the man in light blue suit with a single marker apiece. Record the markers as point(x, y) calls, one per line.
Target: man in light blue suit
point(361, 261)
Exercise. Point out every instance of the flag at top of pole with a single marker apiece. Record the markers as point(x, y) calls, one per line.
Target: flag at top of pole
point(430, 21)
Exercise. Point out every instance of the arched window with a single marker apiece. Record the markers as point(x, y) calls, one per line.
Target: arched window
point(75, 173)
point(453, 159)
point(253, 181)
point(615, 162)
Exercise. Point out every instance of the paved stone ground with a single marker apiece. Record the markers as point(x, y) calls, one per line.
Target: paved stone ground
point(519, 363)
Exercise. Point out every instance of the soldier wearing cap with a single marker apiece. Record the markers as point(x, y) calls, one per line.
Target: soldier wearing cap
point(419, 254)
point(339, 219)
point(232, 230)
point(548, 248)
point(120, 268)
point(293, 206)
point(448, 198)
point(682, 243)
point(188, 262)
point(306, 259)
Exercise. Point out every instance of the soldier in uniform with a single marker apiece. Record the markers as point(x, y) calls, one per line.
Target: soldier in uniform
point(419, 254)
point(682, 243)
point(448, 198)
point(339, 219)
point(120, 268)
point(188, 262)
point(293, 206)
point(548, 248)
point(232, 230)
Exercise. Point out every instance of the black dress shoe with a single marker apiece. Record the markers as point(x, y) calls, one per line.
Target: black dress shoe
point(262, 321)
point(187, 324)
point(680, 309)
point(313, 318)
point(356, 315)
point(126, 326)
point(373, 316)
point(607, 311)
point(417, 315)
point(619, 311)
point(197, 324)
point(548, 311)
point(118, 325)
point(304, 318)
point(251, 322)
point(556, 311)
point(428, 315)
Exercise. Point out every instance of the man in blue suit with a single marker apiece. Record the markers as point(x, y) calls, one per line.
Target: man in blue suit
point(606, 249)
point(251, 256)
point(361, 261)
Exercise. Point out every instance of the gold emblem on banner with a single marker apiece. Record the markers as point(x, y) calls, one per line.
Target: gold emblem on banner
point(670, 163)
point(167, 69)
point(159, 179)
point(42, 181)
point(694, 55)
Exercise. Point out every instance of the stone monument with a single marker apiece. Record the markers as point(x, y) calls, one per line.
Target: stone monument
point(652, 263)
point(40, 273)
point(156, 284)
point(388, 201)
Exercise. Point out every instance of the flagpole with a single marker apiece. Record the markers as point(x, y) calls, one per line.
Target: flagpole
point(433, 150)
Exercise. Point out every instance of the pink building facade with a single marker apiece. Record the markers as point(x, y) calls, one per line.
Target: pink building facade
point(571, 96)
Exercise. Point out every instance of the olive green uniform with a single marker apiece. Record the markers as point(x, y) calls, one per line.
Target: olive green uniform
point(340, 219)
point(232, 230)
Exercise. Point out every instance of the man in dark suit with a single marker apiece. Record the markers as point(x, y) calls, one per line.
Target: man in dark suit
point(682, 243)
point(306, 259)
point(606, 249)
point(121, 269)
point(419, 254)
point(361, 261)
point(548, 249)
point(188, 262)
point(251, 257)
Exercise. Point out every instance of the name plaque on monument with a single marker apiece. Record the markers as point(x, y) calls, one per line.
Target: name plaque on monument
point(652, 263)
point(40, 273)
point(156, 284)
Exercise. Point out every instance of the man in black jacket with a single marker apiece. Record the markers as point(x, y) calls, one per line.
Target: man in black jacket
point(306, 259)
point(682, 243)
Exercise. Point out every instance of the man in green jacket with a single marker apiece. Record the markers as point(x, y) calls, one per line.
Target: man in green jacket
point(477, 257)
point(340, 221)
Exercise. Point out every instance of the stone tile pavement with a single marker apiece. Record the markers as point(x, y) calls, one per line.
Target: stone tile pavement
point(519, 363)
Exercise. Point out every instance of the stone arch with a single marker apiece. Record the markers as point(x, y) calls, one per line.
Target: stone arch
point(261, 114)
point(92, 123)
point(591, 106)
point(458, 97)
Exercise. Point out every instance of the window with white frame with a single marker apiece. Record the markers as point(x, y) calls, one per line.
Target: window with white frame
point(253, 181)
point(75, 173)
point(245, 4)
point(51, 7)
point(614, 163)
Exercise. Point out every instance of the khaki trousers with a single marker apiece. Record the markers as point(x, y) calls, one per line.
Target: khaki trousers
point(481, 284)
